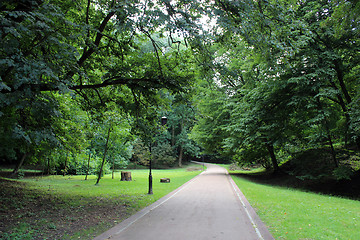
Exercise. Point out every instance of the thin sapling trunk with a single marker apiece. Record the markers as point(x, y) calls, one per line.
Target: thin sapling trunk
point(103, 161)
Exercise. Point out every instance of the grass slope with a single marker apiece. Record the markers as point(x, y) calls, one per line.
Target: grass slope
point(295, 214)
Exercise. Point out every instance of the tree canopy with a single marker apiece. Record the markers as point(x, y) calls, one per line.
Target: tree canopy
point(253, 81)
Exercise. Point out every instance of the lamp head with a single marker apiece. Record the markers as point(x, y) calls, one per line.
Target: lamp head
point(163, 120)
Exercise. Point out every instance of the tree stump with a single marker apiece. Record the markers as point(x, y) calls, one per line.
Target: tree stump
point(165, 180)
point(126, 176)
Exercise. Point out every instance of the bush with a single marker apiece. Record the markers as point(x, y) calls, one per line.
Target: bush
point(78, 165)
point(141, 153)
point(119, 162)
point(249, 156)
point(20, 174)
point(343, 172)
point(163, 156)
point(310, 164)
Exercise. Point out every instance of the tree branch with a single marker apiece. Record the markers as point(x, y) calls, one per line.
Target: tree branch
point(156, 48)
point(87, 23)
point(48, 87)
point(99, 35)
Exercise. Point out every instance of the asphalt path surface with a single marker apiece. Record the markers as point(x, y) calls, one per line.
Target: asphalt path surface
point(210, 206)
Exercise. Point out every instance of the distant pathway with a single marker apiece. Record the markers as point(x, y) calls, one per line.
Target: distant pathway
point(210, 206)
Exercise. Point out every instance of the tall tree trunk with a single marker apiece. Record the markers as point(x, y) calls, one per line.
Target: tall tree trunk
point(88, 166)
point(103, 161)
point(333, 153)
point(48, 166)
point(19, 165)
point(344, 108)
point(274, 162)
point(339, 68)
point(113, 169)
point(181, 156)
point(181, 147)
point(43, 168)
point(172, 136)
point(340, 76)
point(150, 169)
point(66, 160)
point(357, 140)
point(328, 132)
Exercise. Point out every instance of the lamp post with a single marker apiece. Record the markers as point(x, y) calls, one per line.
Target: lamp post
point(163, 122)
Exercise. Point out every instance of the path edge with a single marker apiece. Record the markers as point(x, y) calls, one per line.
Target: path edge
point(117, 229)
point(254, 217)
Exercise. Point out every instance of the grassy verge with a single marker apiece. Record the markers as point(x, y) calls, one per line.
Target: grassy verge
point(133, 192)
point(295, 214)
point(68, 207)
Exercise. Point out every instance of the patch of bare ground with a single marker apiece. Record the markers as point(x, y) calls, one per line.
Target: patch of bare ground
point(38, 215)
point(192, 169)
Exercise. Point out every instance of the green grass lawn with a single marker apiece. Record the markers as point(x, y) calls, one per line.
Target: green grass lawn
point(68, 207)
point(289, 213)
point(295, 214)
point(134, 192)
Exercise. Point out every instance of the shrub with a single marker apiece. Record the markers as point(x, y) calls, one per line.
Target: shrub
point(343, 172)
point(163, 156)
point(310, 164)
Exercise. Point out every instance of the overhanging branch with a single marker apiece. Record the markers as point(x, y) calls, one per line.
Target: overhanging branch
point(48, 87)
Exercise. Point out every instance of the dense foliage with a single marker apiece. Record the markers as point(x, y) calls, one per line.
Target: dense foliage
point(287, 80)
point(86, 82)
point(79, 78)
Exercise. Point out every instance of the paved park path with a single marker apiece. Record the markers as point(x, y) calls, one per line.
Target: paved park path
point(210, 206)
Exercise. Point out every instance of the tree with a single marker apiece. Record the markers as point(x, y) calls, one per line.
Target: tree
point(163, 155)
point(104, 158)
point(282, 68)
point(283, 31)
point(181, 119)
point(141, 153)
point(98, 52)
point(209, 130)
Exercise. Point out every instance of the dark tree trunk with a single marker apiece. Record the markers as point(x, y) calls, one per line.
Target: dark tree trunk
point(358, 142)
point(19, 165)
point(181, 156)
point(172, 136)
point(333, 153)
point(48, 166)
point(274, 162)
point(328, 132)
point(43, 168)
point(181, 148)
point(340, 76)
point(343, 106)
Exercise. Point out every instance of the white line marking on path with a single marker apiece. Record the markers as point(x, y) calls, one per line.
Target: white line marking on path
point(247, 212)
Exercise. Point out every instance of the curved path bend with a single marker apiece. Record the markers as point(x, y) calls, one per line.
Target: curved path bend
point(210, 206)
